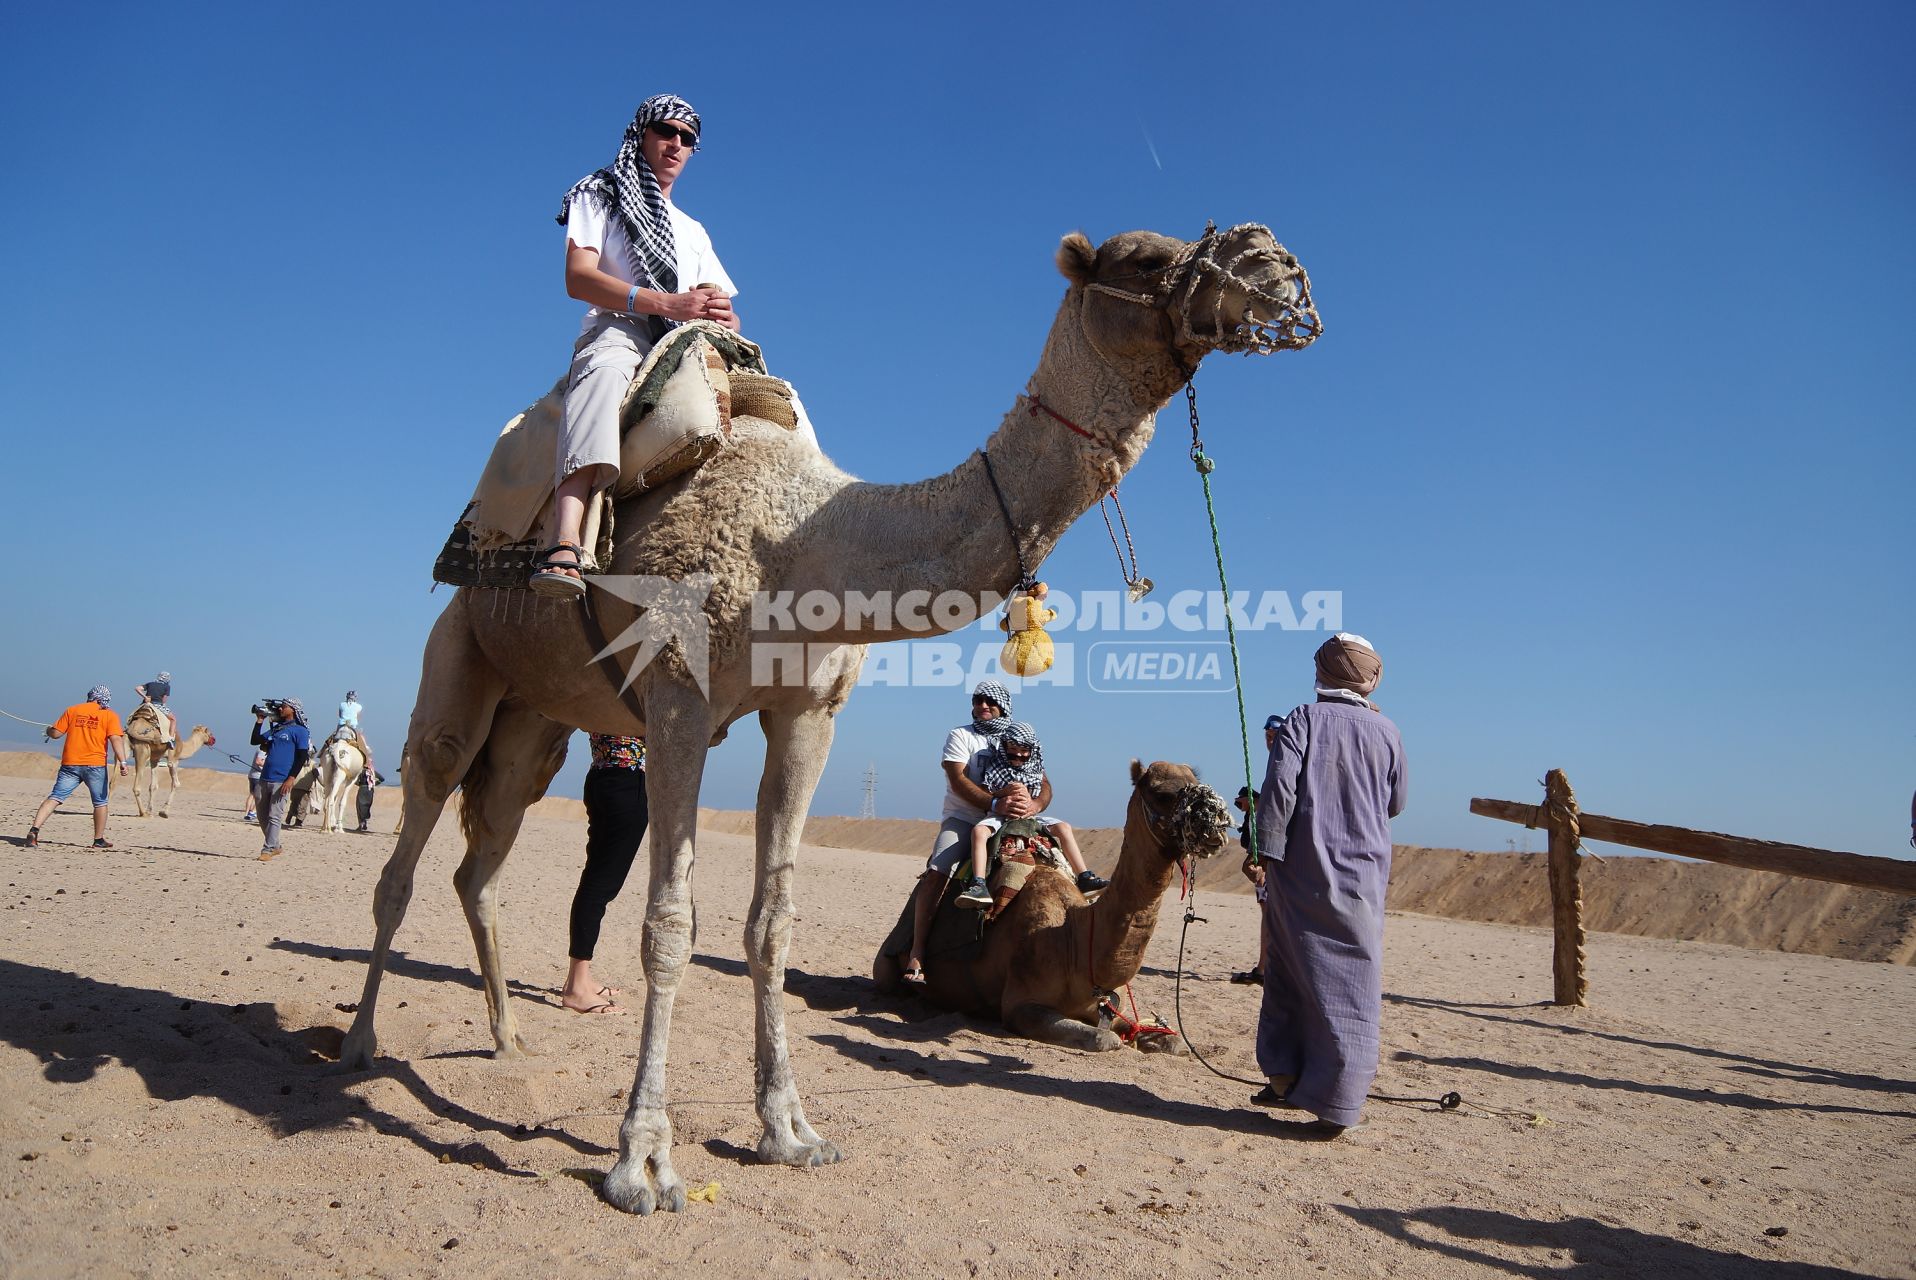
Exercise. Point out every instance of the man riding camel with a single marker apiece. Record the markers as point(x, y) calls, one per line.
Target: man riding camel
point(154, 693)
point(643, 267)
point(348, 730)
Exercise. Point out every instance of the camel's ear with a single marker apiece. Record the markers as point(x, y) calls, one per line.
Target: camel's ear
point(1137, 771)
point(1077, 258)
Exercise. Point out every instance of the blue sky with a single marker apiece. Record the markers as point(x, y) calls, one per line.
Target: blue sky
point(1607, 446)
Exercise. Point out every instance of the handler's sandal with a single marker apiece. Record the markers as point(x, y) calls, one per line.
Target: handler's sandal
point(33, 837)
point(1091, 882)
point(103, 844)
point(977, 894)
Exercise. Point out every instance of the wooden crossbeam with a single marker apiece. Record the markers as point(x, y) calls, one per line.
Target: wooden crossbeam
point(1892, 875)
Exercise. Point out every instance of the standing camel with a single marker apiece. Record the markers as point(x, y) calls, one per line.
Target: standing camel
point(506, 677)
point(151, 754)
point(338, 766)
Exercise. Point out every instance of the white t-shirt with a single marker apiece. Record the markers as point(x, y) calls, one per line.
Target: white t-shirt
point(966, 744)
point(590, 225)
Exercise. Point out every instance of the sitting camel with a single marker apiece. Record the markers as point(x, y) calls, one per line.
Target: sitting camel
point(338, 765)
point(1045, 963)
point(151, 753)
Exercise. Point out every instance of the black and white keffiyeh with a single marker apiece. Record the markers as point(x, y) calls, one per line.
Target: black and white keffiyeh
point(629, 187)
point(998, 696)
point(1000, 772)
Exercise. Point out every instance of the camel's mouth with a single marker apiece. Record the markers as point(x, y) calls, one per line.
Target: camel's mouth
point(1241, 291)
point(1200, 824)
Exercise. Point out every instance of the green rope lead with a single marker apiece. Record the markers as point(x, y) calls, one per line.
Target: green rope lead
point(1205, 465)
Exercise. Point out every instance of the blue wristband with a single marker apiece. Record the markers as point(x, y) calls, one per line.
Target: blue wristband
point(631, 299)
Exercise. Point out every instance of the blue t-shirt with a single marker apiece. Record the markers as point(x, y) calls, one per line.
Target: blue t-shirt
point(282, 743)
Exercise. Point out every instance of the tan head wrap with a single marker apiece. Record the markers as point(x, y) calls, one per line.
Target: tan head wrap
point(1347, 661)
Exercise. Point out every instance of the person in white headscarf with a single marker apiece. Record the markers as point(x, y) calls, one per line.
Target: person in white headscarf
point(1335, 780)
point(643, 267)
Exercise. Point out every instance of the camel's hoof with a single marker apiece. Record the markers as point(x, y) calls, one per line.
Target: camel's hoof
point(1173, 1045)
point(799, 1155)
point(628, 1188)
point(512, 1050)
point(1104, 1041)
point(356, 1053)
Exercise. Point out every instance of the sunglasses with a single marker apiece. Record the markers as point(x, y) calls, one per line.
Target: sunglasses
point(666, 129)
point(1017, 755)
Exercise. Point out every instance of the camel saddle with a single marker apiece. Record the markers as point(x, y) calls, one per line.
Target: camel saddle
point(150, 727)
point(957, 932)
point(680, 411)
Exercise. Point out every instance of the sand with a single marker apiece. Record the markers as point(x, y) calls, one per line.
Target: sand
point(168, 1109)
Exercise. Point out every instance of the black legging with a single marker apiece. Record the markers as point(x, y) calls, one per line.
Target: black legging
point(615, 817)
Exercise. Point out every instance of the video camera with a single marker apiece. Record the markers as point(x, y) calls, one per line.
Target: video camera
point(268, 707)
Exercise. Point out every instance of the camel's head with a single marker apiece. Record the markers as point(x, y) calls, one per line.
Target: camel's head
point(1237, 290)
point(1185, 817)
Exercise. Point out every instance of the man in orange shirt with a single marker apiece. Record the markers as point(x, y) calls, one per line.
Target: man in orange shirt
point(88, 727)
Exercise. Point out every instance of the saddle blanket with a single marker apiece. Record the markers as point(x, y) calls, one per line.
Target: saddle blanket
point(686, 403)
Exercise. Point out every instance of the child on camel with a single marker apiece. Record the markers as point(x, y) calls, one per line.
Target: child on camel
point(1014, 761)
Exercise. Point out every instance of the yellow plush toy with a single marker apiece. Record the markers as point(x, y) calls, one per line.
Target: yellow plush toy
point(1028, 650)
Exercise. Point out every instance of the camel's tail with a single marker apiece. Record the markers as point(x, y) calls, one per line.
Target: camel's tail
point(472, 793)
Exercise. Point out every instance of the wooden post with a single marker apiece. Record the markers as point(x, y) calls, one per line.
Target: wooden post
point(1566, 894)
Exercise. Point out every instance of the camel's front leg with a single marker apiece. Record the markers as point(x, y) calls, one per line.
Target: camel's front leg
point(678, 734)
point(795, 751)
point(172, 786)
point(1051, 1027)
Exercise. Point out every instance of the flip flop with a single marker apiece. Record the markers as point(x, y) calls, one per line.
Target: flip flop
point(604, 1009)
point(608, 992)
point(913, 977)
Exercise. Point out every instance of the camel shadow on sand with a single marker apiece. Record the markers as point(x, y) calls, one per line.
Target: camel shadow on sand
point(1574, 1248)
point(239, 1054)
point(400, 963)
point(902, 1022)
point(1016, 1074)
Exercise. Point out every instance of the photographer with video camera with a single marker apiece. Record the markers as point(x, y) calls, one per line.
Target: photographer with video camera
point(287, 744)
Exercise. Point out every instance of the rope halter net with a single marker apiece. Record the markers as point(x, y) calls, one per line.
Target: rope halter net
point(1277, 313)
point(1196, 828)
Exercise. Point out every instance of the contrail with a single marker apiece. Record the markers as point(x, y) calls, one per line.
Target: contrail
point(1149, 146)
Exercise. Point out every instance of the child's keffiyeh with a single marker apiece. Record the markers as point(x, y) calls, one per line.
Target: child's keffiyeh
point(999, 771)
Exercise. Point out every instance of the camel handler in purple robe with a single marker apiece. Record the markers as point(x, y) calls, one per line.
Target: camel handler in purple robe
point(1336, 779)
